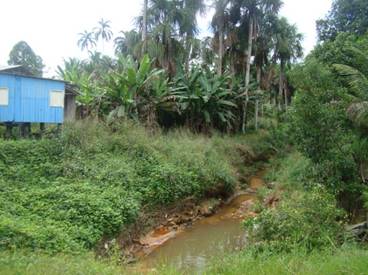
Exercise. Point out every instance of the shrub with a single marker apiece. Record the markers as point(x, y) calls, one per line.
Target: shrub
point(320, 127)
point(303, 220)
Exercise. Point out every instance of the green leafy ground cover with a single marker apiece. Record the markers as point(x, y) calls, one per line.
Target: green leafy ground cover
point(65, 194)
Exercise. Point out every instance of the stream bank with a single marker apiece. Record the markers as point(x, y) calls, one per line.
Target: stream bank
point(189, 246)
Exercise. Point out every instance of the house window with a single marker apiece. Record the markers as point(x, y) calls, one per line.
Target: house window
point(4, 96)
point(57, 99)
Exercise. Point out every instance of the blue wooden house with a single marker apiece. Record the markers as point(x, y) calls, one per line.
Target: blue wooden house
point(29, 99)
point(25, 99)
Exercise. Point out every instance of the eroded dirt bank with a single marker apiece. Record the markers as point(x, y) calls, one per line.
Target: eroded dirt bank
point(176, 223)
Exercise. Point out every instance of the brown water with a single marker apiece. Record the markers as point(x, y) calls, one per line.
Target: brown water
point(192, 249)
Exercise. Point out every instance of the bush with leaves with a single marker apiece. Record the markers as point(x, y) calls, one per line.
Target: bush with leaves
point(321, 129)
point(305, 220)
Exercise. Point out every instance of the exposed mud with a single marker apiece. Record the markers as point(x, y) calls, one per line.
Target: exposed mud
point(212, 232)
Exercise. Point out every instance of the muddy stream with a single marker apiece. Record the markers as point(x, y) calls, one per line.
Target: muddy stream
point(190, 249)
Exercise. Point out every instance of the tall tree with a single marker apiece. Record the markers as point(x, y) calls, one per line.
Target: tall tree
point(103, 32)
point(288, 48)
point(144, 27)
point(349, 16)
point(254, 12)
point(218, 23)
point(128, 43)
point(247, 14)
point(164, 18)
point(22, 54)
point(86, 40)
point(189, 25)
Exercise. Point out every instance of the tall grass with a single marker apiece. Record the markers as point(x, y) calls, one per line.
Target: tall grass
point(15, 263)
point(349, 260)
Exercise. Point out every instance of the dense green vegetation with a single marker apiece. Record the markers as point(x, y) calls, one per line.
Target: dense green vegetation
point(65, 194)
point(170, 112)
point(164, 75)
point(304, 219)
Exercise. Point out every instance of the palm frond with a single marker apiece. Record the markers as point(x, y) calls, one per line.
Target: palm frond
point(356, 80)
point(358, 114)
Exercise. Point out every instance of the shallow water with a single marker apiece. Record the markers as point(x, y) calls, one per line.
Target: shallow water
point(191, 250)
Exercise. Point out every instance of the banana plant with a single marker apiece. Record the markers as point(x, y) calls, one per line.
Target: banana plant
point(136, 90)
point(204, 99)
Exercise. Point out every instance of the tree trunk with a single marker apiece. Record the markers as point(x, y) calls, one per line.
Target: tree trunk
point(247, 72)
point(221, 46)
point(286, 92)
point(262, 109)
point(189, 49)
point(232, 65)
point(25, 130)
point(281, 83)
point(144, 30)
point(256, 114)
point(249, 55)
point(170, 59)
point(259, 75)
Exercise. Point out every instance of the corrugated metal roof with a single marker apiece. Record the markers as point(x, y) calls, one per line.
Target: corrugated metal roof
point(3, 72)
point(6, 68)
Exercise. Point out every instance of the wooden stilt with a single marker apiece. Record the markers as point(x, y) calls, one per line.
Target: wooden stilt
point(9, 130)
point(25, 130)
point(42, 128)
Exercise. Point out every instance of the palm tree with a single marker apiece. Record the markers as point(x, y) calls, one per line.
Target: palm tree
point(103, 31)
point(288, 48)
point(207, 54)
point(247, 15)
point(163, 19)
point(264, 45)
point(87, 40)
point(144, 28)
point(218, 23)
point(128, 43)
point(172, 25)
point(189, 25)
point(356, 79)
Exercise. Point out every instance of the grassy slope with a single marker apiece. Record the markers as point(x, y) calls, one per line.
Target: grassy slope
point(95, 165)
point(64, 195)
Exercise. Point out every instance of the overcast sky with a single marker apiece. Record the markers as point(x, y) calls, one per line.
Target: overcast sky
point(51, 27)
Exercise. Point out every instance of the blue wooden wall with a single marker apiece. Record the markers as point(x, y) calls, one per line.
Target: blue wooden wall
point(29, 100)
